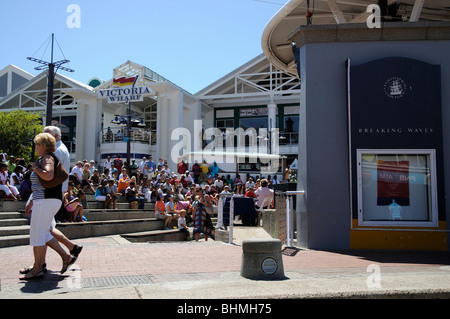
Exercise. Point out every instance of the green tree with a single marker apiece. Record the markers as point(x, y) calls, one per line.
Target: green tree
point(17, 130)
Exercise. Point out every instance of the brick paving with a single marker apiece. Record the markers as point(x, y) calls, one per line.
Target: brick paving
point(112, 262)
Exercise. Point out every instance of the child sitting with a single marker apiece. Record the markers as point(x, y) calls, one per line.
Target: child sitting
point(182, 224)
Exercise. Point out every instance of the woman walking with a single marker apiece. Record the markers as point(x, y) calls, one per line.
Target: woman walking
point(202, 220)
point(44, 204)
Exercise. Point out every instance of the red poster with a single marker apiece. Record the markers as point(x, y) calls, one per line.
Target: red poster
point(393, 182)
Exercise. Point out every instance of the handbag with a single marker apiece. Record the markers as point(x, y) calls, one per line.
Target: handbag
point(59, 175)
point(134, 205)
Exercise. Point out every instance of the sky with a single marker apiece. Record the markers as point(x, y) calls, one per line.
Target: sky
point(192, 43)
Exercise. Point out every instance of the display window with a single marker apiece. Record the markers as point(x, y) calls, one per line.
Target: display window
point(397, 187)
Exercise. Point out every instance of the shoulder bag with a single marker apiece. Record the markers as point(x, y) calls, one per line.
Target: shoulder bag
point(59, 175)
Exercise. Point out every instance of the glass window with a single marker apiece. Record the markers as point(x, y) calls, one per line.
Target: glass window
point(223, 124)
point(253, 122)
point(397, 187)
point(290, 133)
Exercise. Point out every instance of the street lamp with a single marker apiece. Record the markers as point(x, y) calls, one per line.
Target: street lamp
point(50, 79)
point(128, 121)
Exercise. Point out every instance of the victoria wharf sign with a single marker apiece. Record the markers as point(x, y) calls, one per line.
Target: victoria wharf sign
point(124, 91)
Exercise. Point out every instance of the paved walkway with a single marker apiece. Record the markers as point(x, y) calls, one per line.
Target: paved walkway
point(110, 267)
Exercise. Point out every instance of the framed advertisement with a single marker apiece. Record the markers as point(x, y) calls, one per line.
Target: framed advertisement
point(397, 187)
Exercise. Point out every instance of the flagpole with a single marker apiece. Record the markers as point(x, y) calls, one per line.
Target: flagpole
point(135, 79)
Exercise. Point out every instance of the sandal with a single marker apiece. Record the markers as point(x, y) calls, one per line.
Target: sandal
point(76, 250)
point(31, 276)
point(67, 264)
point(24, 271)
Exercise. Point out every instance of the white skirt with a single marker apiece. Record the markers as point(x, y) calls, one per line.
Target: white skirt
point(42, 220)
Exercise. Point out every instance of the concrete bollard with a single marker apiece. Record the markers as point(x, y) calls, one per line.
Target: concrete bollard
point(261, 259)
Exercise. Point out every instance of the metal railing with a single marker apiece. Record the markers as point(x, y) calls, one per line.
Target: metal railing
point(288, 138)
point(289, 214)
point(118, 135)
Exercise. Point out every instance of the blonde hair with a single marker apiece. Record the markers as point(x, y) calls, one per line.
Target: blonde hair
point(47, 140)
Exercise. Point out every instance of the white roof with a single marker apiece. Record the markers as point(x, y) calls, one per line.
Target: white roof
point(278, 49)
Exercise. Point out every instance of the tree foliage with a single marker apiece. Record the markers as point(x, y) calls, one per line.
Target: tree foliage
point(17, 130)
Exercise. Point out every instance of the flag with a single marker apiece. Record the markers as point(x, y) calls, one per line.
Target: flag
point(123, 81)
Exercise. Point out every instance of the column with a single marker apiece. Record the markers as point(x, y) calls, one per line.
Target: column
point(79, 138)
point(271, 116)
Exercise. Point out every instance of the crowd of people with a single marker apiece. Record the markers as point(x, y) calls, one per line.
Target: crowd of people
point(185, 197)
point(178, 196)
point(138, 183)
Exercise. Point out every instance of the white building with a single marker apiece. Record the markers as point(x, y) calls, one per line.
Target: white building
point(85, 118)
point(167, 120)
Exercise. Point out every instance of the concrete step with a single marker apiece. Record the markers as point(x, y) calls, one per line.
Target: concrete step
point(14, 240)
point(13, 222)
point(119, 205)
point(9, 215)
point(155, 236)
point(108, 227)
point(112, 214)
point(12, 206)
point(105, 226)
point(15, 230)
point(122, 203)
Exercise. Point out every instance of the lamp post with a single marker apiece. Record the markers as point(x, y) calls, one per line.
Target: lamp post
point(125, 120)
point(50, 79)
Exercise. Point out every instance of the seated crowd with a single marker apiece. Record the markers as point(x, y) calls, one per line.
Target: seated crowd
point(175, 194)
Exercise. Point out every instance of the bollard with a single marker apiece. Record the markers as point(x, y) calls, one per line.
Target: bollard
point(261, 259)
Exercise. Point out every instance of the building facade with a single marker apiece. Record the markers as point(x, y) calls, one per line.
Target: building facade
point(166, 121)
point(373, 148)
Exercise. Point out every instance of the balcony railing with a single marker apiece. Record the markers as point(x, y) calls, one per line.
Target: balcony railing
point(137, 135)
point(288, 138)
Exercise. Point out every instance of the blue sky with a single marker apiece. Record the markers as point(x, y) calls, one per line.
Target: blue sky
point(191, 43)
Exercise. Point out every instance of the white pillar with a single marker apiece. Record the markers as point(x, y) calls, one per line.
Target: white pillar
point(161, 125)
point(271, 115)
point(79, 138)
point(92, 127)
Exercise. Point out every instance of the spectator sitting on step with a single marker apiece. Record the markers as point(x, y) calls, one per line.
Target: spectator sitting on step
point(81, 195)
point(264, 194)
point(16, 177)
point(160, 211)
point(111, 189)
point(132, 195)
point(101, 195)
point(25, 186)
point(182, 224)
point(76, 174)
point(95, 178)
point(170, 208)
point(156, 191)
point(11, 192)
point(106, 174)
point(144, 189)
point(123, 183)
point(72, 203)
point(250, 193)
point(85, 179)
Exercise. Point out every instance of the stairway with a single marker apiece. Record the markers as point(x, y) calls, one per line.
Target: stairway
point(14, 229)
point(15, 225)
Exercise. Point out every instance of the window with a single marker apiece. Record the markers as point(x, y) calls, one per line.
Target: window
point(253, 122)
point(224, 124)
point(290, 133)
point(397, 187)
